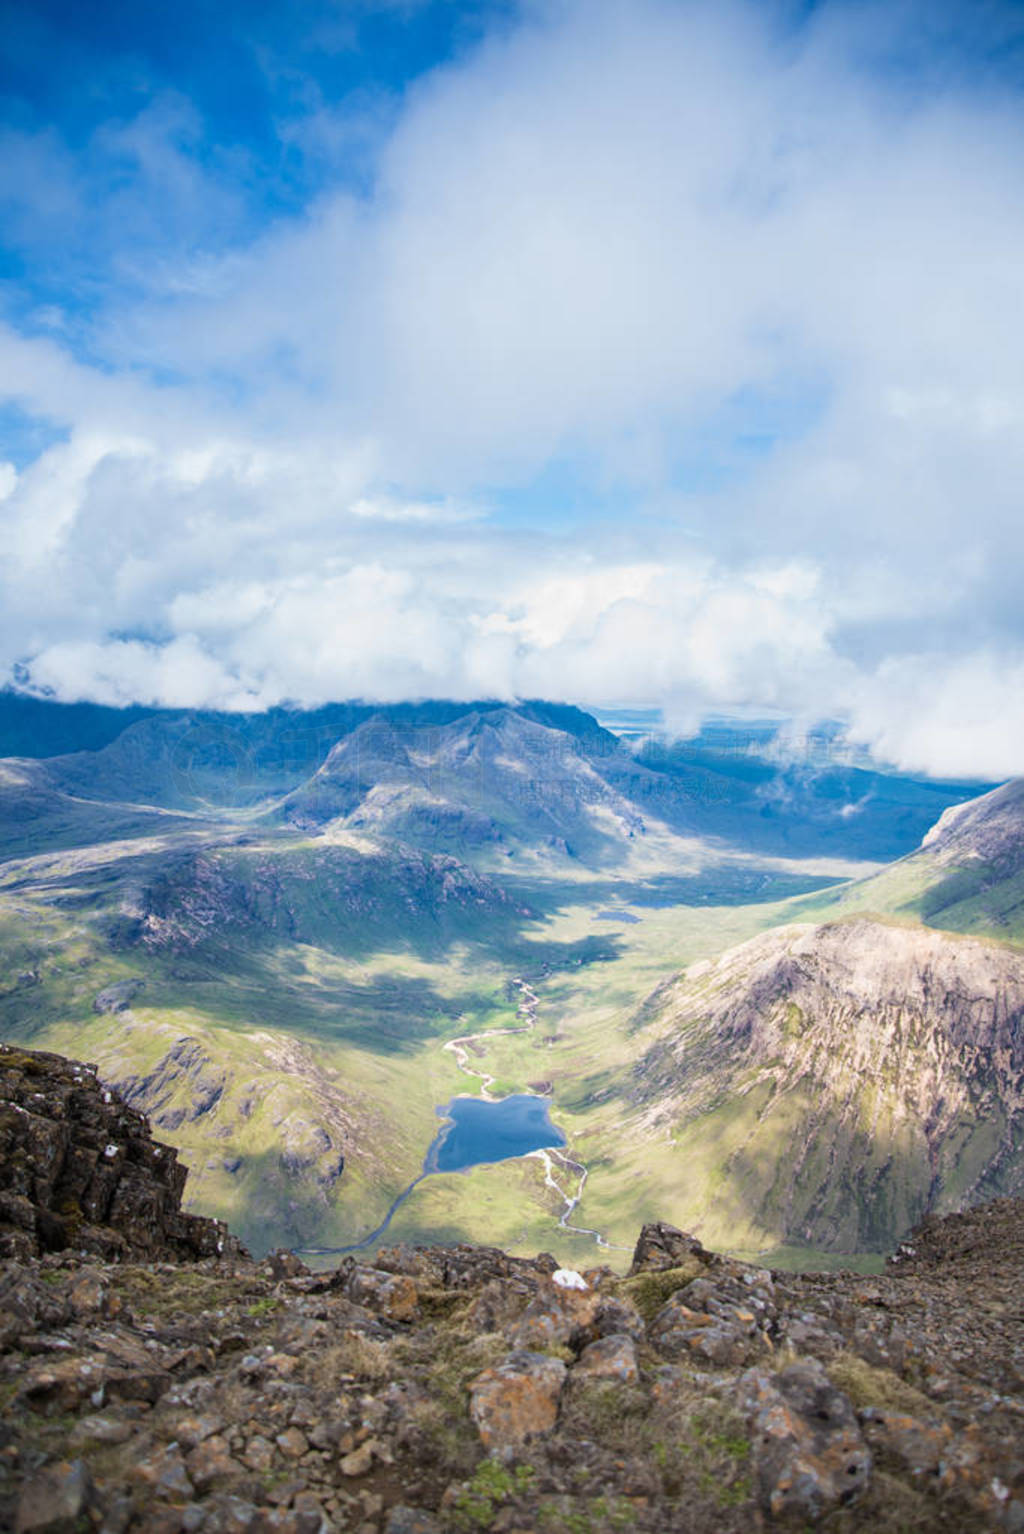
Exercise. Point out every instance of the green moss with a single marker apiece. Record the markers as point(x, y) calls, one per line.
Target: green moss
point(649, 1291)
point(477, 1503)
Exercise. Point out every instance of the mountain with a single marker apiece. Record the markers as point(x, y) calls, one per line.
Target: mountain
point(967, 875)
point(834, 1083)
point(155, 1379)
point(496, 779)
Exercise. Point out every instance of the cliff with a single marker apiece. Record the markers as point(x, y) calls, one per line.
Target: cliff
point(79, 1170)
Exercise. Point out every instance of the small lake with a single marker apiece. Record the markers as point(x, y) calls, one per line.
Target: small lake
point(480, 1131)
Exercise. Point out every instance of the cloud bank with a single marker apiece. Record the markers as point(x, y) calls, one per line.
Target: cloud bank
point(668, 353)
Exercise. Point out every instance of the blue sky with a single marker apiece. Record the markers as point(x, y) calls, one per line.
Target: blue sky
point(665, 351)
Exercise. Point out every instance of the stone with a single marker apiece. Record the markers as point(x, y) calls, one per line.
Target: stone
point(259, 1453)
point(359, 1462)
point(677, 1331)
point(809, 1454)
point(918, 1447)
point(62, 1384)
point(100, 1430)
point(56, 1497)
point(86, 1295)
point(411, 1520)
point(610, 1358)
point(282, 1263)
point(663, 1246)
point(516, 1400)
point(292, 1443)
point(190, 1431)
point(211, 1461)
point(393, 1295)
point(553, 1317)
point(164, 1471)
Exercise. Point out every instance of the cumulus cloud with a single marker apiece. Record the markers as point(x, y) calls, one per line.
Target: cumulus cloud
point(748, 288)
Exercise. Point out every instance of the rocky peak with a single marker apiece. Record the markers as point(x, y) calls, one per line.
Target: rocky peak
point(446, 1390)
point(80, 1170)
point(989, 829)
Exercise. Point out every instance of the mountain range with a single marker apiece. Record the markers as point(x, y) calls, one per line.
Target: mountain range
point(276, 933)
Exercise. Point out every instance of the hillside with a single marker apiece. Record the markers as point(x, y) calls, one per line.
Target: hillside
point(494, 779)
point(447, 1389)
point(834, 1083)
point(967, 875)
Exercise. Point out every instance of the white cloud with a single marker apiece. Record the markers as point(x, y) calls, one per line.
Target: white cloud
point(762, 298)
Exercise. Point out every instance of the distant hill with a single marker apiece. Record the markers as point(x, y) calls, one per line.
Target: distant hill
point(475, 777)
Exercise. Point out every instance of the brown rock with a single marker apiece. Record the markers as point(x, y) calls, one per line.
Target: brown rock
point(516, 1400)
point(663, 1246)
point(610, 1358)
point(554, 1316)
point(393, 1295)
point(809, 1455)
point(164, 1471)
point(259, 1453)
point(916, 1446)
point(211, 1462)
point(292, 1443)
point(677, 1331)
point(55, 1498)
point(86, 1295)
point(359, 1462)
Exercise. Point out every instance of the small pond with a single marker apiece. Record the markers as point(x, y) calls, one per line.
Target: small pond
point(482, 1131)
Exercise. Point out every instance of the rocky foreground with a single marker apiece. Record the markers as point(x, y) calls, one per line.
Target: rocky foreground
point(154, 1378)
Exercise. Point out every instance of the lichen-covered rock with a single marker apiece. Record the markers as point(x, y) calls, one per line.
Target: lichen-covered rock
point(554, 1316)
point(516, 1400)
point(610, 1358)
point(809, 1453)
point(393, 1295)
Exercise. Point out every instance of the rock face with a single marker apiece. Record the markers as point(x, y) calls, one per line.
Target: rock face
point(79, 1169)
point(863, 1074)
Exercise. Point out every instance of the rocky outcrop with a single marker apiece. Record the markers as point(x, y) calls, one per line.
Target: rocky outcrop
point(79, 1170)
point(861, 1074)
point(398, 1398)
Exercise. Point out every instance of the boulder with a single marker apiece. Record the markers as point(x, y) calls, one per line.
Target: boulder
point(516, 1400)
point(809, 1454)
point(610, 1358)
point(663, 1246)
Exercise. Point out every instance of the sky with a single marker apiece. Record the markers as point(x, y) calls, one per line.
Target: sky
point(658, 352)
